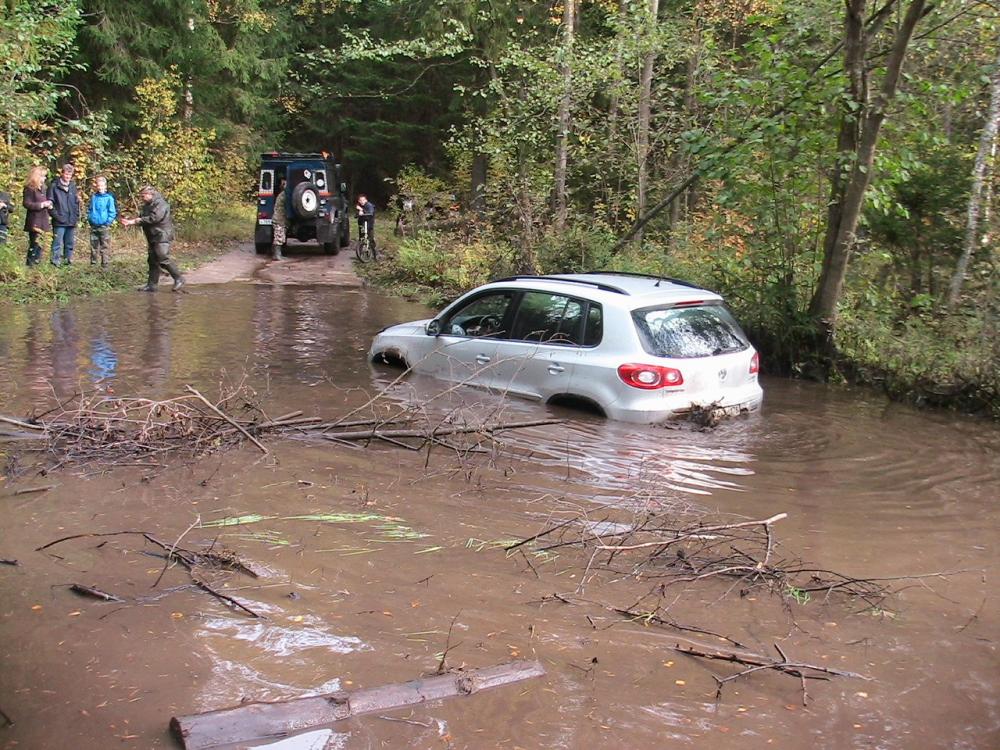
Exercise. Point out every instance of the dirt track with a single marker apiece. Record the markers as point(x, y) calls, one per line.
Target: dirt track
point(304, 264)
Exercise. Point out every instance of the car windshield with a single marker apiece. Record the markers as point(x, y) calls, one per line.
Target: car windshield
point(702, 331)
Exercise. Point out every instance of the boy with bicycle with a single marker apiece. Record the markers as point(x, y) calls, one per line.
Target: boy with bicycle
point(366, 220)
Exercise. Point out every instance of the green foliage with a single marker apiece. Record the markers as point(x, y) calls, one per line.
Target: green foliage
point(172, 154)
point(577, 249)
point(449, 264)
point(37, 40)
point(926, 357)
point(231, 54)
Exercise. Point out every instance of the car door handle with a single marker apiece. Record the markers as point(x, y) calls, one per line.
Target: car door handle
point(556, 369)
point(482, 359)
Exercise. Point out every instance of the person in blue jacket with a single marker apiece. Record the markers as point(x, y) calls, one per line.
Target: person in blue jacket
point(65, 212)
point(101, 215)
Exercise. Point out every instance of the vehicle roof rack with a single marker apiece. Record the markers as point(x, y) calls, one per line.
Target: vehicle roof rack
point(679, 282)
point(595, 284)
point(295, 155)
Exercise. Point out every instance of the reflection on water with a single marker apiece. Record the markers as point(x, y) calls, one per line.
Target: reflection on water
point(244, 651)
point(324, 739)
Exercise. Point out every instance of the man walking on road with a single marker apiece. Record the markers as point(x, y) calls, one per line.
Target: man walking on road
point(158, 226)
point(65, 212)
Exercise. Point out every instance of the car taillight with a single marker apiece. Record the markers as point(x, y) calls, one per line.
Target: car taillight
point(263, 215)
point(650, 377)
point(755, 363)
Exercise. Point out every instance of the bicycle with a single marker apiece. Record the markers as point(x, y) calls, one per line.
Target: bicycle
point(365, 247)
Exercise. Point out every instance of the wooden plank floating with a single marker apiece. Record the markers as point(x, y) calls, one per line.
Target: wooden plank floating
point(252, 722)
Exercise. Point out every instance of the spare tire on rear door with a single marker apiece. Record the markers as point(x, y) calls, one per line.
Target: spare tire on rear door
point(305, 200)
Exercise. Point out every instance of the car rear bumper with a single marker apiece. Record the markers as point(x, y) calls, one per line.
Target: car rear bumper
point(652, 408)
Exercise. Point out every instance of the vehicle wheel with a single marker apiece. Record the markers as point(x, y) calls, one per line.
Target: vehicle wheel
point(345, 234)
point(305, 200)
point(331, 248)
point(262, 248)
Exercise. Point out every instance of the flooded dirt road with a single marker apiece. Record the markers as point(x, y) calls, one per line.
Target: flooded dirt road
point(370, 555)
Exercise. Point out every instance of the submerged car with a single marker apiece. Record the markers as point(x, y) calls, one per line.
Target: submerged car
point(633, 347)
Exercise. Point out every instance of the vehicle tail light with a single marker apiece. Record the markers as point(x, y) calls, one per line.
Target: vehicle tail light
point(755, 363)
point(650, 377)
point(263, 215)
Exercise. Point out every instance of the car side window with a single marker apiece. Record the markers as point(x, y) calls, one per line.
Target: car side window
point(483, 316)
point(594, 331)
point(549, 318)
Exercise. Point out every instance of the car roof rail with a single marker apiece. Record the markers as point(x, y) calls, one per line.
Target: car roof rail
point(679, 282)
point(272, 155)
point(585, 282)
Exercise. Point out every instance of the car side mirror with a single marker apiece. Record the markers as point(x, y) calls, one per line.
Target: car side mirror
point(433, 328)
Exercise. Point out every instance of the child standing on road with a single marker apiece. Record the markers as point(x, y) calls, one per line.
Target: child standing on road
point(101, 215)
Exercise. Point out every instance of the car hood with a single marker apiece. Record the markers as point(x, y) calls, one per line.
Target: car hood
point(405, 329)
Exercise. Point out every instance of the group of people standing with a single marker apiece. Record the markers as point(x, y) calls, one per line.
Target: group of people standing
point(56, 209)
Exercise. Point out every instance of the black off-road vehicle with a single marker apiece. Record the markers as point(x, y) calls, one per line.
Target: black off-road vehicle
point(315, 200)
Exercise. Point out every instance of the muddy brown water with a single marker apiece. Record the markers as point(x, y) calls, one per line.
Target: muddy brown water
point(367, 597)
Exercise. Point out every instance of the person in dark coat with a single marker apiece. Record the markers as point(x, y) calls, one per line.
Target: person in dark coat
point(36, 208)
point(6, 209)
point(158, 226)
point(65, 212)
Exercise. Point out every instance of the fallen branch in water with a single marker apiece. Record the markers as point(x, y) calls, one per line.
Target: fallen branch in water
point(95, 593)
point(759, 662)
point(739, 654)
point(32, 490)
point(19, 423)
point(112, 432)
point(252, 722)
point(193, 561)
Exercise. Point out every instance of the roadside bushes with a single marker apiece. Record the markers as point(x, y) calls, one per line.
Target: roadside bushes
point(446, 264)
point(926, 359)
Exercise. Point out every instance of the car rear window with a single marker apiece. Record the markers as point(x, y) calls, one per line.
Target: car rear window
point(701, 331)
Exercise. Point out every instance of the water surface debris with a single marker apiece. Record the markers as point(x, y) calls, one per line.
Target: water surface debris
point(259, 721)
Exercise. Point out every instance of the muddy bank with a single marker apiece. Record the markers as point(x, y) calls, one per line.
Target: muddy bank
point(372, 552)
point(303, 264)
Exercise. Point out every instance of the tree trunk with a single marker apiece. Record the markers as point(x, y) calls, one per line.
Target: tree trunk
point(527, 258)
point(987, 143)
point(565, 119)
point(480, 167)
point(847, 200)
point(612, 192)
point(645, 114)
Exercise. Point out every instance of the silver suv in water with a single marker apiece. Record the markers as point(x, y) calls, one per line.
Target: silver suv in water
point(637, 348)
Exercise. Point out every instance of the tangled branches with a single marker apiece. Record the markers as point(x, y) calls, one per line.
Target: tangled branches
point(744, 553)
point(94, 429)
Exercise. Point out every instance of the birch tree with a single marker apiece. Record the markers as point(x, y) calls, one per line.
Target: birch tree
point(987, 147)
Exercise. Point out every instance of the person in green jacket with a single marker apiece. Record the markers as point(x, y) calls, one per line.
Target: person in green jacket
point(158, 226)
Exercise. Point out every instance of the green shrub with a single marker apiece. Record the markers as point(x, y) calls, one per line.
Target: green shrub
point(577, 249)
